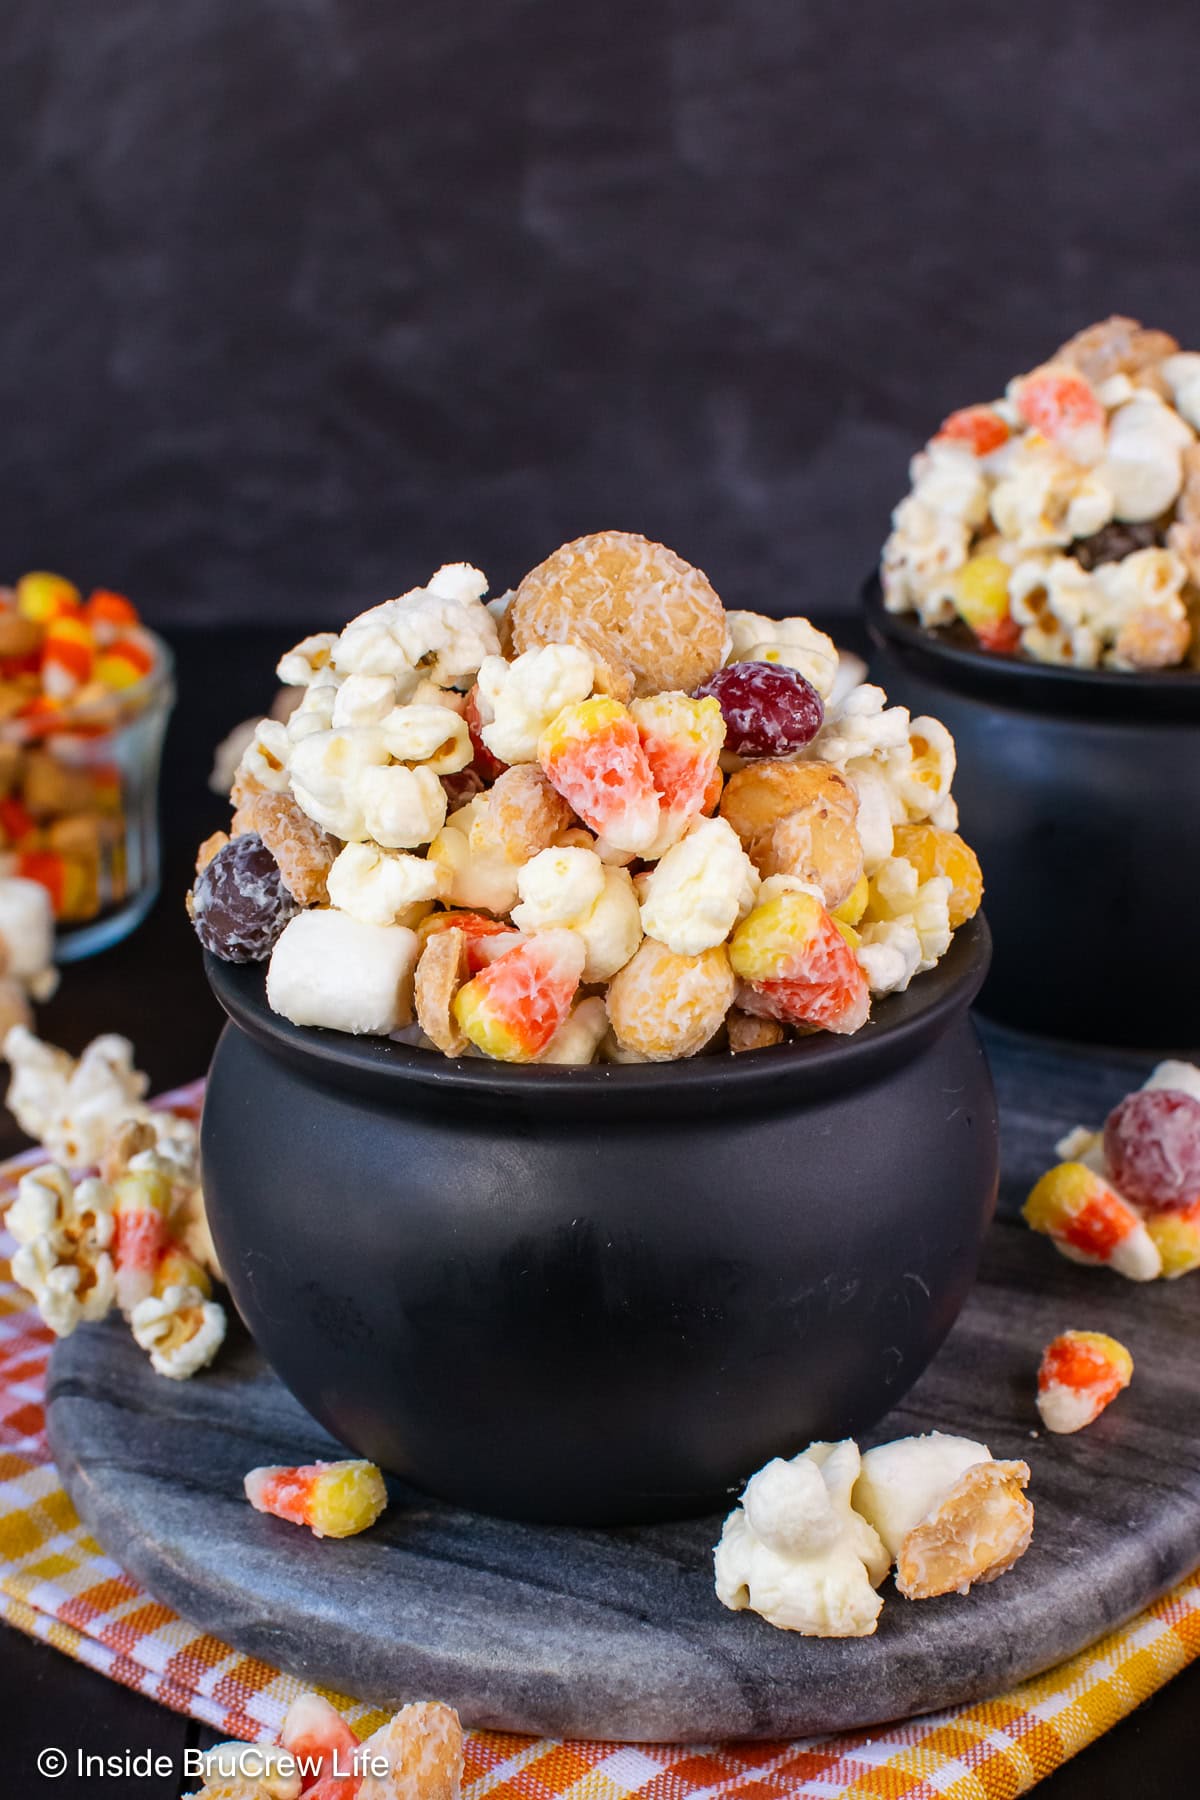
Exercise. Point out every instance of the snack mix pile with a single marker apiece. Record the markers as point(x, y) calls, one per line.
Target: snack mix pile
point(814, 1538)
point(597, 817)
point(116, 1217)
point(1064, 520)
point(417, 1755)
point(72, 673)
point(1128, 1196)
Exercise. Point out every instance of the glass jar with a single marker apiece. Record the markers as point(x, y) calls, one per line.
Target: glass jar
point(79, 811)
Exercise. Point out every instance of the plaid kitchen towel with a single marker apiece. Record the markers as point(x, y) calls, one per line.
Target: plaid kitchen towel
point(57, 1584)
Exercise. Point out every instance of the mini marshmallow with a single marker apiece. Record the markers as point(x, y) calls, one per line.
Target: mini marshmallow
point(525, 696)
point(700, 890)
point(331, 970)
point(381, 887)
point(27, 930)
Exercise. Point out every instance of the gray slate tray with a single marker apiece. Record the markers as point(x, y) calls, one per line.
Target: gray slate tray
point(617, 1634)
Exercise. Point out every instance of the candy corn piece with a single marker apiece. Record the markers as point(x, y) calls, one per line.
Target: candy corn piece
point(109, 615)
point(682, 740)
point(323, 1744)
point(1060, 403)
point(1090, 1223)
point(335, 1499)
point(477, 928)
point(1081, 1372)
point(980, 594)
point(592, 754)
point(124, 663)
point(1176, 1237)
point(141, 1203)
point(68, 656)
point(798, 966)
point(42, 596)
point(513, 1008)
point(977, 428)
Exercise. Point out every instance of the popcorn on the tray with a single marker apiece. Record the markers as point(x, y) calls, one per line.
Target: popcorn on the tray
point(1128, 1195)
point(181, 1329)
point(1060, 522)
point(1081, 1372)
point(628, 774)
point(796, 1551)
point(333, 1499)
point(948, 1513)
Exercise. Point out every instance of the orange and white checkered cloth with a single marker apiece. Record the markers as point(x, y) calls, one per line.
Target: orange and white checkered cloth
point(57, 1584)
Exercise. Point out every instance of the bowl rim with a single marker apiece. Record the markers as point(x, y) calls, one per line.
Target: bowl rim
point(900, 1026)
point(1040, 684)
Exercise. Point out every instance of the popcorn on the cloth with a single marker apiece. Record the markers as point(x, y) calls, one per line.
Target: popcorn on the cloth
point(593, 755)
point(512, 1009)
point(663, 1006)
point(382, 887)
point(1090, 1222)
point(333, 1499)
point(332, 970)
point(700, 890)
point(1081, 1373)
point(797, 966)
point(64, 1233)
point(796, 1551)
point(949, 1515)
point(518, 700)
point(181, 1328)
point(442, 630)
point(72, 1107)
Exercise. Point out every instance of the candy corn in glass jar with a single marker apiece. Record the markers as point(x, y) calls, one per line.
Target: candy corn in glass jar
point(85, 693)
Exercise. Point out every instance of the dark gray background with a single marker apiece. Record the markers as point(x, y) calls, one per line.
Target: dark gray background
point(301, 297)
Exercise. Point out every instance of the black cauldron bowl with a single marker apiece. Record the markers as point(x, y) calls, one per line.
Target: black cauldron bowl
point(1079, 789)
point(601, 1295)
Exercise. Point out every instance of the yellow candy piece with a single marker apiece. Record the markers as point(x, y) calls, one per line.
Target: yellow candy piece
point(853, 907)
point(118, 672)
point(42, 596)
point(933, 851)
point(770, 943)
point(1176, 1236)
point(981, 591)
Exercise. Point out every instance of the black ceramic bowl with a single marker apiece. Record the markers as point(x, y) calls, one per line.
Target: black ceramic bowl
point(1080, 791)
point(607, 1294)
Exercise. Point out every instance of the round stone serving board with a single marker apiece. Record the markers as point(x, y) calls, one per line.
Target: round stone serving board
point(618, 1634)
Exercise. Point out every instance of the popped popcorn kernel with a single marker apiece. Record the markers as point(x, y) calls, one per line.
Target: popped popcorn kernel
point(181, 1328)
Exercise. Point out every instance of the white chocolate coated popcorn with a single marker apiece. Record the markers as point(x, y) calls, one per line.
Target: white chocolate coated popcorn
point(577, 1040)
point(307, 661)
point(476, 876)
point(265, 758)
point(182, 1329)
point(1144, 465)
point(557, 887)
point(362, 700)
point(889, 954)
point(401, 807)
point(900, 1482)
point(381, 887)
point(700, 890)
point(331, 970)
point(435, 736)
point(326, 770)
point(524, 696)
point(898, 894)
point(796, 1552)
point(71, 1107)
point(442, 630)
point(64, 1234)
point(612, 930)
